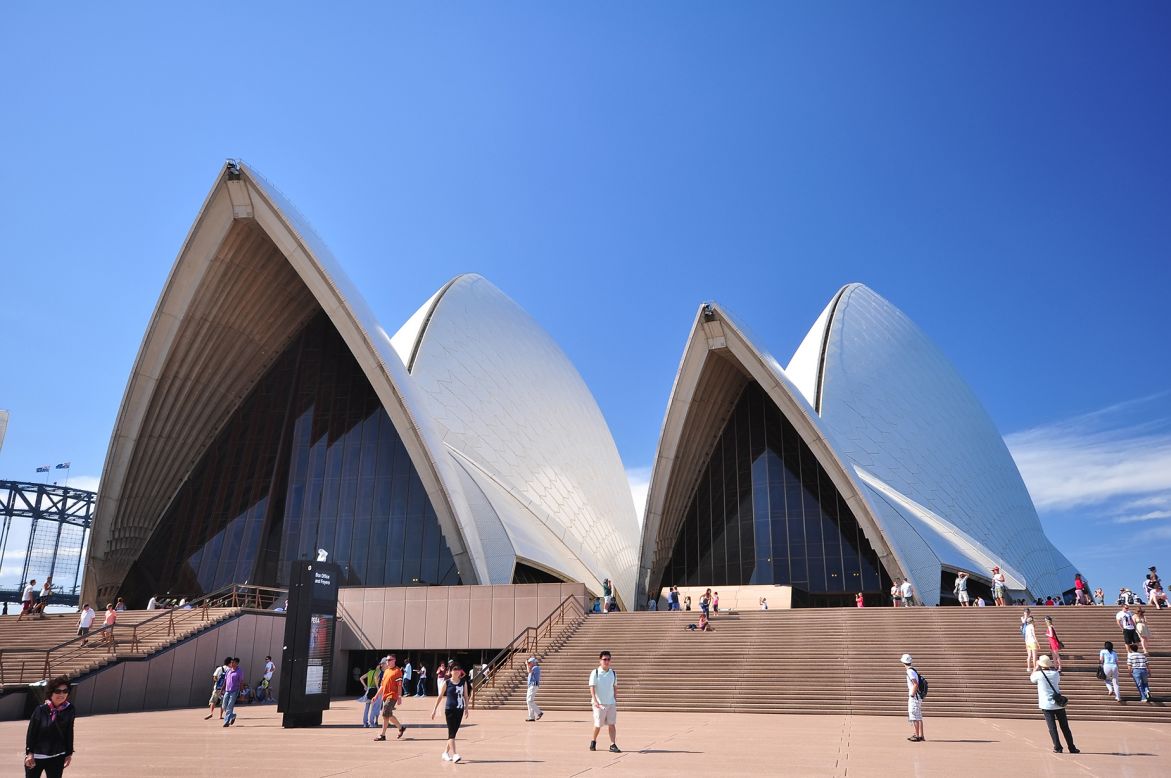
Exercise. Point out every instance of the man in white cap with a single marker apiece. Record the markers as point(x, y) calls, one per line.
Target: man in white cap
point(534, 683)
point(914, 699)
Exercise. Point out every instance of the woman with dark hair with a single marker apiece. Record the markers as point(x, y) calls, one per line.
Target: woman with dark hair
point(48, 746)
point(454, 693)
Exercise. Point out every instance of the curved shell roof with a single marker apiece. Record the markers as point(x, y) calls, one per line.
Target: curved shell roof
point(923, 444)
point(526, 434)
point(905, 441)
point(718, 361)
point(249, 275)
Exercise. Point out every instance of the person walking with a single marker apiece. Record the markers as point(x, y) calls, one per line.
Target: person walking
point(1030, 644)
point(1136, 662)
point(915, 696)
point(28, 599)
point(533, 683)
point(1108, 667)
point(233, 684)
point(218, 678)
point(715, 603)
point(998, 586)
point(455, 694)
point(606, 590)
point(896, 592)
point(391, 691)
point(48, 742)
point(46, 596)
point(421, 686)
point(961, 589)
point(1055, 644)
point(1141, 627)
point(907, 593)
point(859, 600)
point(688, 602)
point(108, 623)
point(408, 675)
point(764, 603)
point(604, 701)
point(705, 603)
point(371, 680)
point(1052, 704)
point(1126, 623)
point(1079, 590)
point(85, 622)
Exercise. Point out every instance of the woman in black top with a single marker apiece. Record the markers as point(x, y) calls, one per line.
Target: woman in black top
point(454, 693)
point(48, 746)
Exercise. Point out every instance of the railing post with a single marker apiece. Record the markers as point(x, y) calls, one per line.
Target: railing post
point(47, 665)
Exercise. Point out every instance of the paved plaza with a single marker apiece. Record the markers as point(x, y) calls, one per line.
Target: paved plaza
point(181, 743)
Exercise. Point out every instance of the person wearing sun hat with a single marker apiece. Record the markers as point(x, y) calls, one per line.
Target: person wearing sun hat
point(914, 699)
point(1051, 703)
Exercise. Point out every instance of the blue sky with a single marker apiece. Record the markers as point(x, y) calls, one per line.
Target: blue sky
point(1000, 173)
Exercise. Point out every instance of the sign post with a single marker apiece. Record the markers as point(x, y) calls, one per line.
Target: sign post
point(307, 660)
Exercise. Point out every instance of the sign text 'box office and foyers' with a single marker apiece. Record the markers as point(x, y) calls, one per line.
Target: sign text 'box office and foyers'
point(310, 626)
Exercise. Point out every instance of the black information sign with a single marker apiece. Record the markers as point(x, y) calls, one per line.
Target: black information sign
point(309, 636)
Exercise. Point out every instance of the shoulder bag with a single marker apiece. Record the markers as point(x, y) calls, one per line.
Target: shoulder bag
point(1058, 697)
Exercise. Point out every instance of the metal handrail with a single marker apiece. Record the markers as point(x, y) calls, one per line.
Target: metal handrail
point(528, 641)
point(230, 596)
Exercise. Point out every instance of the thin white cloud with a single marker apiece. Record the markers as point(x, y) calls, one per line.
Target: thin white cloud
point(1154, 534)
point(640, 482)
point(1151, 516)
point(87, 482)
point(1123, 451)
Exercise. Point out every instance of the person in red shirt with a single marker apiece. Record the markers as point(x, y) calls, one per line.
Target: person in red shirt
point(391, 692)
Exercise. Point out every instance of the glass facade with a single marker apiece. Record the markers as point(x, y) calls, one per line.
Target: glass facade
point(310, 460)
point(765, 512)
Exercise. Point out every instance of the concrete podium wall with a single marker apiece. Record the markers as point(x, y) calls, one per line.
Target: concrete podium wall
point(444, 617)
point(180, 676)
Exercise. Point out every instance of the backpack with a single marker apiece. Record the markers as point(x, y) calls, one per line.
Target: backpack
point(221, 680)
point(922, 685)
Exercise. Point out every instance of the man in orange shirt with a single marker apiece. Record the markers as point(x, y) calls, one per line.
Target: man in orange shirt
point(391, 692)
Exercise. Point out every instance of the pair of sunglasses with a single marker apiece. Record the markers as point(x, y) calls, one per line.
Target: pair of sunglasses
point(63, 690)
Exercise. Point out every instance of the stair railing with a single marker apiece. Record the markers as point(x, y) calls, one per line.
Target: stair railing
point(528, 642)
point(15, 662)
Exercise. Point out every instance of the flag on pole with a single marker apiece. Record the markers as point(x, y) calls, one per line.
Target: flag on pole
point(43, 469)
point(63, 466)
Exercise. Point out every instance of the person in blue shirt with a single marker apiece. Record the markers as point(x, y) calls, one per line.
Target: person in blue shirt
point(534, 684)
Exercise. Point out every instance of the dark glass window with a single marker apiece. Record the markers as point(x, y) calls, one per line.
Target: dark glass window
point(764, 511)
point(310, 460)
point(527, 574)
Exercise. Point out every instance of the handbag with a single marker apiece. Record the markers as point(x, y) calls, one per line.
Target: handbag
point(1101, 673)
point(1060, 699)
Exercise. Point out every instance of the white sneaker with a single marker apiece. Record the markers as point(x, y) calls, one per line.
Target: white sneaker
point(445, 757)
point(455, 757)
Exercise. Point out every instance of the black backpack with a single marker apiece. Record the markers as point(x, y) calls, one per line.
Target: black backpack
point(922, 685)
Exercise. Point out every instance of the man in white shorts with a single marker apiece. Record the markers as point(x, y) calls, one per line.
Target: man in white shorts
point(914, 700)
point(961, 588)
point(603, 683)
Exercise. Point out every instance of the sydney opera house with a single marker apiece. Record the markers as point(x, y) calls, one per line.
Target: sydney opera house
point(269, 414)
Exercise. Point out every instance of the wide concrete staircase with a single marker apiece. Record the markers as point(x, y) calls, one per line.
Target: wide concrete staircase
point(839, 661)
point(35, 648)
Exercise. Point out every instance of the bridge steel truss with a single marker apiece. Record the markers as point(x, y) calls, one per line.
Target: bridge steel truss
point(59, 515)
